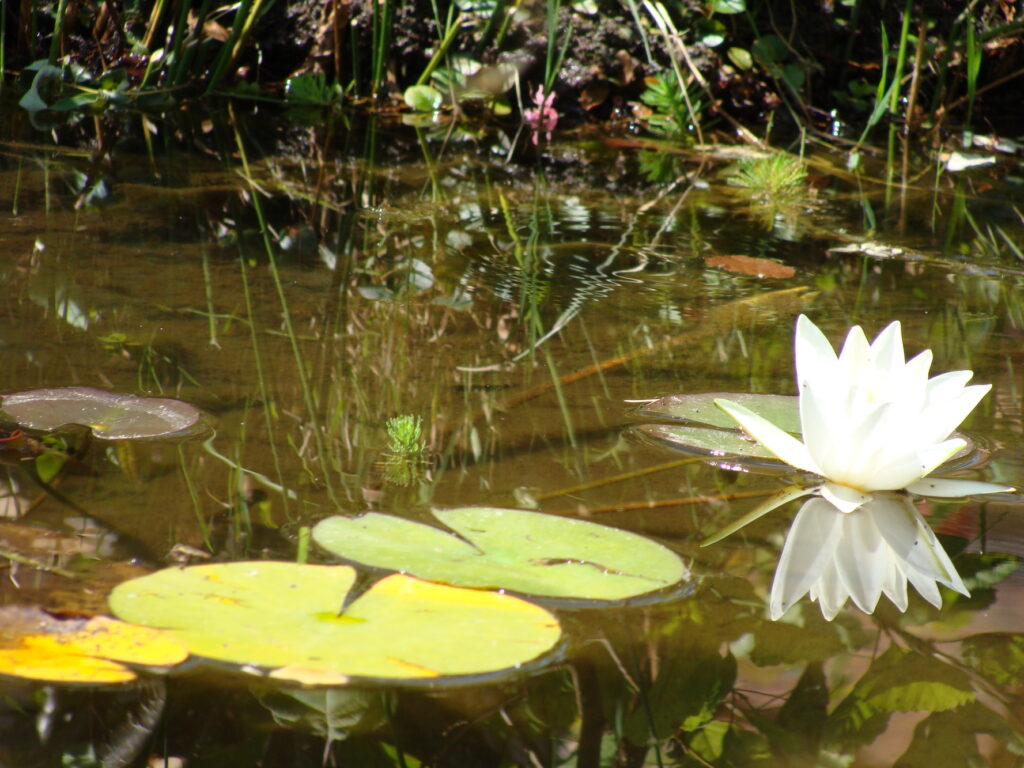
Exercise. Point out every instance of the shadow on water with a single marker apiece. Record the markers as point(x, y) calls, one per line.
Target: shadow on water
point(305, 282)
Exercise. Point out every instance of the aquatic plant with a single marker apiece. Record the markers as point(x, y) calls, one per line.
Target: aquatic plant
point(871, 421)
point(674, 113)
point(772, 177)
point(874, 427)
point(512, 549)
point(405, 434)
point(542, 118)
point(312, 624)
point(404, 460)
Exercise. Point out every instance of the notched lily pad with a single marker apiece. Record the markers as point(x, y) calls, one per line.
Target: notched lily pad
point(781, 410)
point(710, 432)
point(109, 416)
point(286, 617)
point(713, 443)
point(38, 646)
point(526, 552)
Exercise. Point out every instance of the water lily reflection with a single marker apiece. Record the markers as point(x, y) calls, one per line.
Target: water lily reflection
point(861, 555)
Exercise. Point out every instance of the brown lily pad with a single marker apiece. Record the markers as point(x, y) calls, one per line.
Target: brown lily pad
point(108, 415)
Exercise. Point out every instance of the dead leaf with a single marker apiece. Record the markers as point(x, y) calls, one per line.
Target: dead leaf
point(593, 95)
point(749, 265)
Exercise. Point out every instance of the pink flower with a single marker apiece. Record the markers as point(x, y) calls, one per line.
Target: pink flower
point(543, 118)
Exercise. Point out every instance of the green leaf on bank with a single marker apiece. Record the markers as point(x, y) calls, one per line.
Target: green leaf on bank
point(527, 552)
point(711, 32)
point(740, 57)
point(422, 98)
point(728, 6)
point(288, 618)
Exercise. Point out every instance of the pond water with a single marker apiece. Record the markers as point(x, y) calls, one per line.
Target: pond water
point(304, 282)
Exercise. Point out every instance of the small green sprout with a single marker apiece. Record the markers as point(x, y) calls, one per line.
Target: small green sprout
point(405, 434)
point(777, 175)
point(404, 457)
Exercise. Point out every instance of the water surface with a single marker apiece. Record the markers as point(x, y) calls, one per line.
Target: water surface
point(519, 302)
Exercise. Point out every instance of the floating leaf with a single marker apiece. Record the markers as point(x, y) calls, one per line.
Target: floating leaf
point(38, 646)
point(781, 410)
point(109, 416)
point(711, 443)
point(285, 616)
point(526, 552)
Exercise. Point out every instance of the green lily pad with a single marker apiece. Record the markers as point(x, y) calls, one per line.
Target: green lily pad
point(108, 415)
point(285, 617)
point(713, 443)
point(781, 410)
point(526, 552)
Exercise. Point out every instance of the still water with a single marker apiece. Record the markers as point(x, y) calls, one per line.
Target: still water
point(303, 281)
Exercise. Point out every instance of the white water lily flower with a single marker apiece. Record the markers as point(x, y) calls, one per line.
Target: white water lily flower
point(872, 551)
point(871, 420)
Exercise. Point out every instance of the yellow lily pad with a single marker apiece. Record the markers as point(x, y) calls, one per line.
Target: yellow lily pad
point(38, 646)
point(287, 617)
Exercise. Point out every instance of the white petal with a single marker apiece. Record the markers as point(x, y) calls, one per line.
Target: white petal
point(843, 498)
point(941, 417)
point(823, 434)
point(887, 348)
point(855, 358)
point(925, 587)
point(918, 367)
point(814, 354)
point(809, 548)
point(862, 559)
point(782, 444)
point(947, 385)
point(894, 586)
point(830, 592)
point(904, 470)
point(857, 458)
point(908, 534)
point(952, 488)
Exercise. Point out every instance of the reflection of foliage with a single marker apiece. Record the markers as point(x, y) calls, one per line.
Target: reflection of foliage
point(659, 166)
